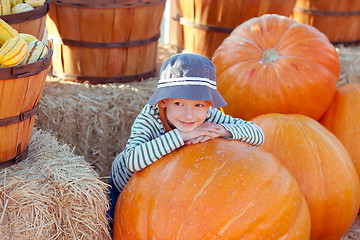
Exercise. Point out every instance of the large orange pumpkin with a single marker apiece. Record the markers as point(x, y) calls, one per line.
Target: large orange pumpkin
point(272, 64)
point(343, 118)
point(220, 189)
point(322, 168)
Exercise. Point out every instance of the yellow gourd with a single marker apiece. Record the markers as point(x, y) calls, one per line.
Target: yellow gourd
point(5, 7)
point(6, 32)
point(13, 52)
point(14, 2)
point(35, 3)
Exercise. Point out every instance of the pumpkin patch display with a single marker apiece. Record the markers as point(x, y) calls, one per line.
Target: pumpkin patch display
point(272, 64)
point(342, 118)
point(220, 189)
point(322, 167)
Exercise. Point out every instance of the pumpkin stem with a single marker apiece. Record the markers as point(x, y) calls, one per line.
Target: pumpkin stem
point(270, 55)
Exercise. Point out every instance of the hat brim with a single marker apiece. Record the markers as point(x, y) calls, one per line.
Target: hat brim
point(200, 93)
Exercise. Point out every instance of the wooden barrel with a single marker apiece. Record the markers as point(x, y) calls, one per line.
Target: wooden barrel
point(31, 22)
point(338, 20)
point(20, 91)
point(104, 41)
point(206, 23)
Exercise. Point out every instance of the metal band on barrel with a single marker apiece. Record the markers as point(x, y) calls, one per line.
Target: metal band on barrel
point(75, 43)
point(206, 27)
point(18, 158)
point(327, 12)
point(19, 118)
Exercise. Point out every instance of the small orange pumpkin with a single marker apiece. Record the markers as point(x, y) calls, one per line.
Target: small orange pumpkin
point(343, 117)
point(272, 64)
point(220, 189)
point(321, 166)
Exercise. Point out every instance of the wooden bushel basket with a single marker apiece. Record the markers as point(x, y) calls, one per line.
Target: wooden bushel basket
point(205, 24)
point(31, 22)
point(338, 20)
point(104, 41)
point(20, 91)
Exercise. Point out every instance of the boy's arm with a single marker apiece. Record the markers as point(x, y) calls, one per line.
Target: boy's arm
point(146, 145)
point(242, 130)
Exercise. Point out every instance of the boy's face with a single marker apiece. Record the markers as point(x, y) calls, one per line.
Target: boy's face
point(184, 114)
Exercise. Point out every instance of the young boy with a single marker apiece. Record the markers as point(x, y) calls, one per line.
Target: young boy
point(182, 111)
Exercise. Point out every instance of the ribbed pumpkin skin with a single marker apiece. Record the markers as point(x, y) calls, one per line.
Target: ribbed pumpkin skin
point(343, 118)
point(220, 189)
point(322, 168)
point(272, 64)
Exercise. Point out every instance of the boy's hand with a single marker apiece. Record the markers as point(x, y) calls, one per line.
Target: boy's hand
point(197, 140)
point(204, 132)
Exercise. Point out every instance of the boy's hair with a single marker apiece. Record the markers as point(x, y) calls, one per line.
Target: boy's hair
point(188, 76)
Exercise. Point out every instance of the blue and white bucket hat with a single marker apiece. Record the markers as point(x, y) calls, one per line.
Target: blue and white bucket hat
point(188, 76)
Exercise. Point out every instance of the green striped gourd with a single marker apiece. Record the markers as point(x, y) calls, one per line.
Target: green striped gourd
point(21, 7)
point(36, 51)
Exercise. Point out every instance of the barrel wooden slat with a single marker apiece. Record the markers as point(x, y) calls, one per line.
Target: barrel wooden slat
point(68, 22)
point(18, 95)
point(132, 60)
point(57, 56)
point(13, 90)
point(123, 18)
point(34, 27)
point(104, 26)
point(338, 20)
point(222, 14)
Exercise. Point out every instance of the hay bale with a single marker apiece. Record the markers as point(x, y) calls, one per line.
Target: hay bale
point(349, 60)
point(96, 119)
point(53, 194)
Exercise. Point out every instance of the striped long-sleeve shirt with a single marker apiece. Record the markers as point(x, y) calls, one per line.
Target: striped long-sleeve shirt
point(149, 140)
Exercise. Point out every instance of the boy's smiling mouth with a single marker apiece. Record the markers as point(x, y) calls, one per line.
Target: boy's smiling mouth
point(187, 123)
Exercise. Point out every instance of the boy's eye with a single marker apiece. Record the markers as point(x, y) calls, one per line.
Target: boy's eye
point(178, 103)
point(199, 105)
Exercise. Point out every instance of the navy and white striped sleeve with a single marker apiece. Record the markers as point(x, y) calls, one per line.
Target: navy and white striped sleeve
point(146, 144)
